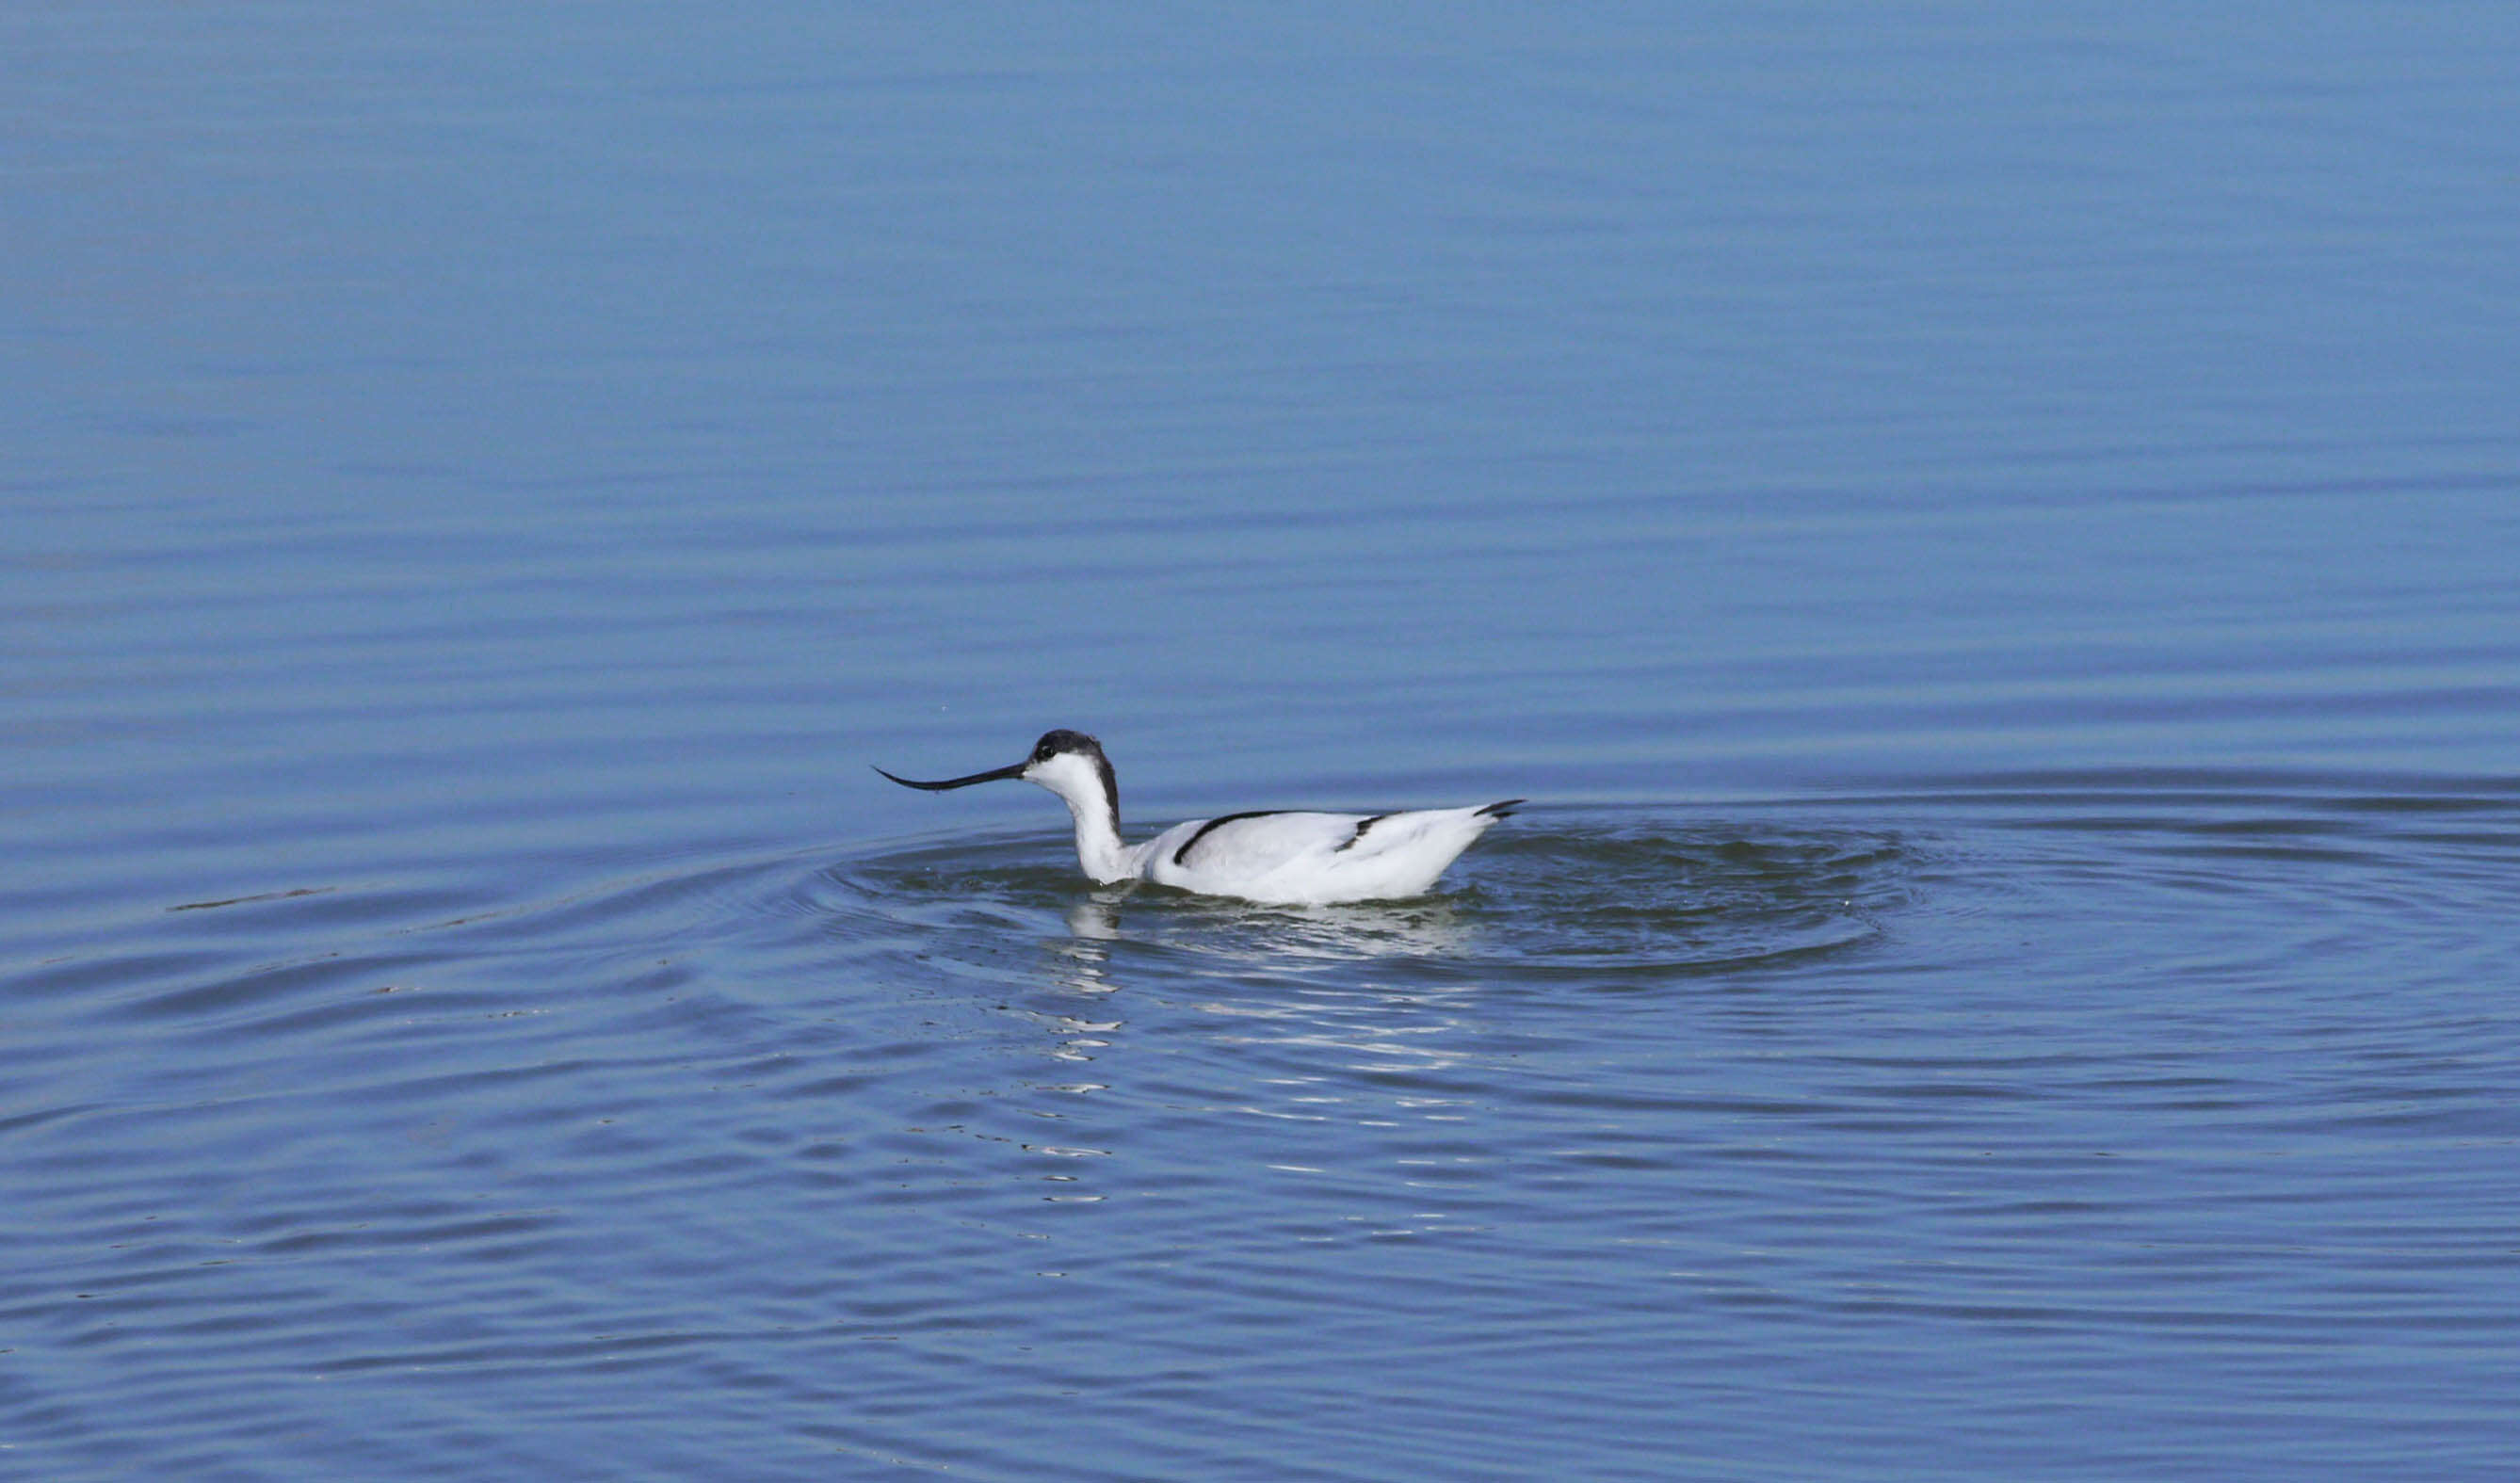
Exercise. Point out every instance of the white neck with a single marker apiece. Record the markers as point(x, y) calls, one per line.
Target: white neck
point(1081, 783)
point(1098, 841)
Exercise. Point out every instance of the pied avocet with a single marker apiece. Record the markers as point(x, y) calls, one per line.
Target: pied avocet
point(1270, 856)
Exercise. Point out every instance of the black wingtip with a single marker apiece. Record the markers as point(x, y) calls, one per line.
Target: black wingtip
point(1503, 810)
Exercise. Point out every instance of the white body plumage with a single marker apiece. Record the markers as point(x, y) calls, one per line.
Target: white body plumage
point(1285, 858)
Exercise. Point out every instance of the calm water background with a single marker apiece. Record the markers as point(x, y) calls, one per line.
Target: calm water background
point(1990, 535)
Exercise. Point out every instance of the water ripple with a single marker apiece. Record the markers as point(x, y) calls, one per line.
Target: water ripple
point(1610, 897)
point(876, 1132)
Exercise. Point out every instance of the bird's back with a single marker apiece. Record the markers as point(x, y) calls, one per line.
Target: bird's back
point(1313, 858)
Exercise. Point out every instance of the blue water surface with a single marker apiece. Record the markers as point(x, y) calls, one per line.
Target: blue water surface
point(1988, 538)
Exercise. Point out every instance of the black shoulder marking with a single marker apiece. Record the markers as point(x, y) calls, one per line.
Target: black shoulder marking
point(1362, 825)
point(1182, 856)
point(1503, 810)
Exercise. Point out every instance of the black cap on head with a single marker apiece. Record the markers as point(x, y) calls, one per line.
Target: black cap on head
point(1053, 743)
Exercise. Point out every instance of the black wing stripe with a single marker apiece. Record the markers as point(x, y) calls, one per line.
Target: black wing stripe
point(1361, 827)
point(1182, 856)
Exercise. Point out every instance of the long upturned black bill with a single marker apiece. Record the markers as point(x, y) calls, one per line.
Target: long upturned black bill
point(992, 776)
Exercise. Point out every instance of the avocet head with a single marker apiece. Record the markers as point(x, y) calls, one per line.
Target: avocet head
point(1069, 763)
